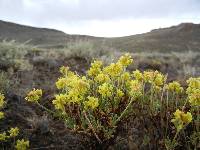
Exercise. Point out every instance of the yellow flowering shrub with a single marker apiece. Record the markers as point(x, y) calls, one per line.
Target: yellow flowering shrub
point(97, 101)
point(99, 92)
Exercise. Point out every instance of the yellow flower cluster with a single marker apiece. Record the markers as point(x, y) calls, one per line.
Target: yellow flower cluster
point(113, 70)
point(1, 115)
point(135, 88)
point(81, 85)
point(181, 119)
point(120, 93)
point(74, 97)
point(22, 145)
point(3, 136)
point(116, 69)
point(91, 103)
point(125, 60)
point(95, 68)
point(148, 76)
point(66, 80)
point(194, 97)
point(101, 78)
point(2, 103)
point(64, 70)
point(154, 77)
point(105, 90)
point(60, 101)
point(175, 87)
point(72, 81)
point(62, 83)
point(75, 88)
point(34, 95)
point(193, 83)
point(159, 79)
point(126, 76)
point(14, 132)
point(138, 75)
point(193, 91)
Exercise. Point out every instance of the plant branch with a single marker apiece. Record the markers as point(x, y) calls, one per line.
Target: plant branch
point(90, 124)
point(49, 111)
point(124, 112)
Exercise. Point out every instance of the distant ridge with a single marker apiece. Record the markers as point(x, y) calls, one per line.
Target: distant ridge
point(36, 36)
point(183, 37)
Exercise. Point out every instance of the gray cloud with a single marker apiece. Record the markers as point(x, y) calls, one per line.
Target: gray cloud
point(52, 13)
point(76, 10)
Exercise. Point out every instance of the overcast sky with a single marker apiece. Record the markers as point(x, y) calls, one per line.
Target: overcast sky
point(101, 17)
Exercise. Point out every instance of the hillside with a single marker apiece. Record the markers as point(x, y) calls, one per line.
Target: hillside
point(183, 37)
point(36, 36)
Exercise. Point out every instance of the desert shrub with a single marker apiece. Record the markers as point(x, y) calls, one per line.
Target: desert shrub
point(12, 50)
point(97, 103)
point(86, 49)
point(4, 82)
point(189, 63)
point(13, 55)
